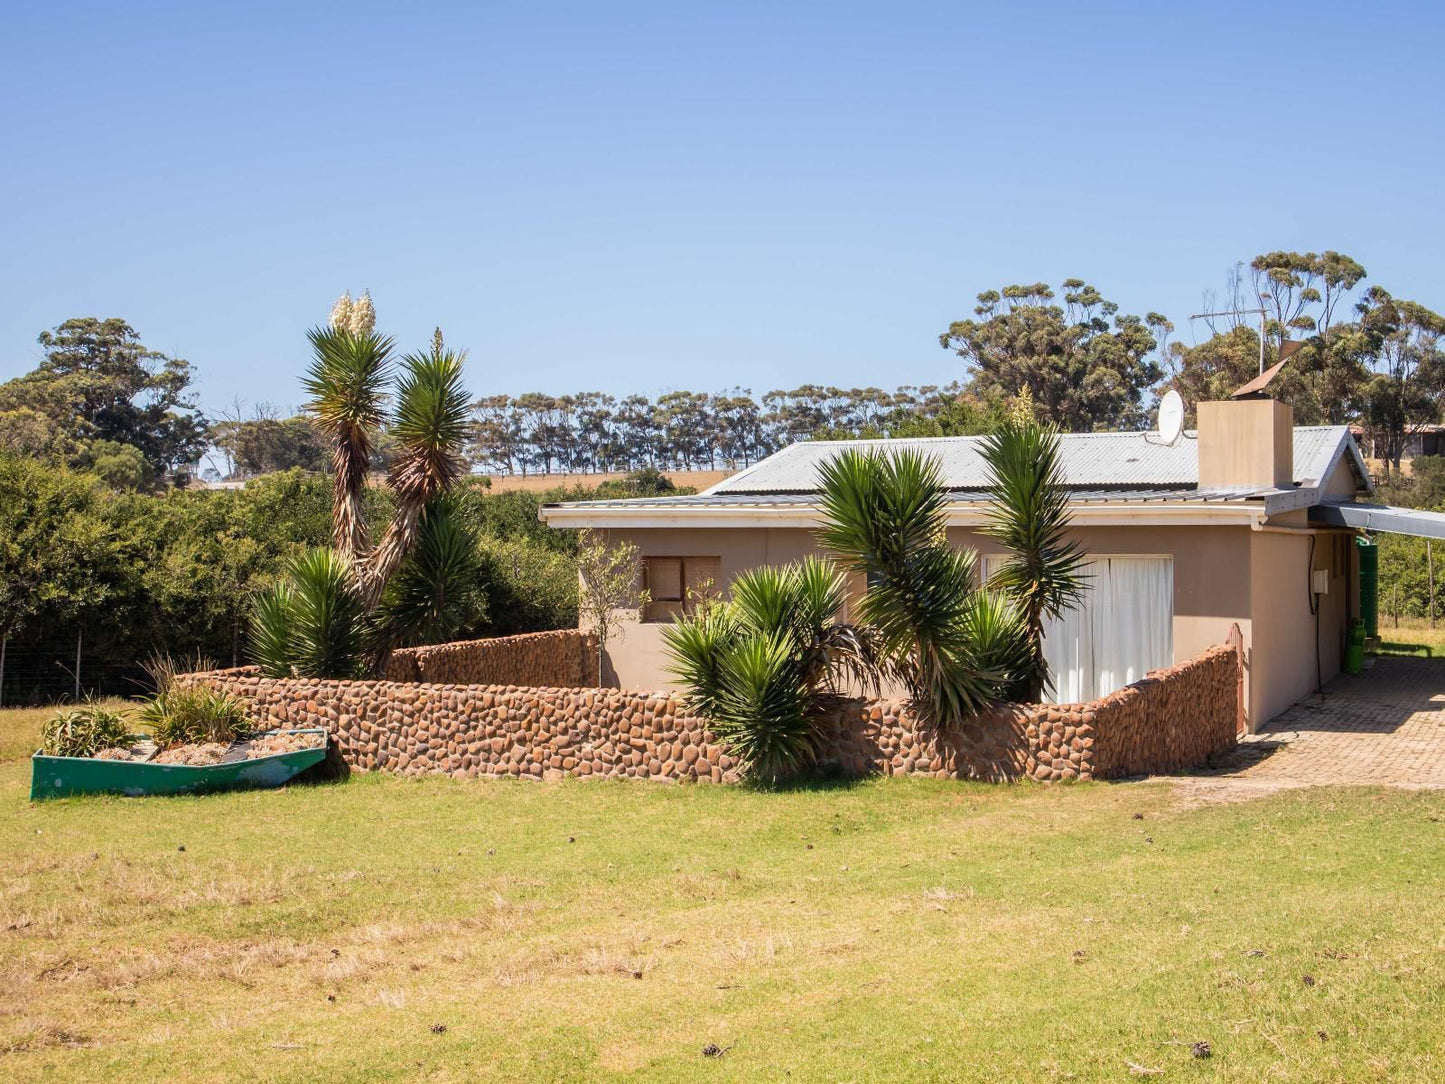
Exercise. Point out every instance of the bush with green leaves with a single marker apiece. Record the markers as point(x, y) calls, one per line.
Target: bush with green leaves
point(183, 715)
point(764, 668)
point(84, 731)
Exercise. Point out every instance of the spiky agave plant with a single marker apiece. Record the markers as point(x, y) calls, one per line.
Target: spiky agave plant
point(1029, 515)
point(436, 592)
point(762, 667)
point(311, 624)
point(883, 516)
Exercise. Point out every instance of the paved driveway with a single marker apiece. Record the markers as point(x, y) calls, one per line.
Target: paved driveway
point(1385, 727)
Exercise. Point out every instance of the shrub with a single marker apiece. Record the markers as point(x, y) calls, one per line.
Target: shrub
point(181, 716)
point(84, 731)
point(763, 668)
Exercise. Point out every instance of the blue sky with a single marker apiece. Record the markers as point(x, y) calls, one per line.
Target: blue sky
point(639, 197)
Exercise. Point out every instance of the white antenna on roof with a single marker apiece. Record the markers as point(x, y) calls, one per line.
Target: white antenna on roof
point(1171, 417)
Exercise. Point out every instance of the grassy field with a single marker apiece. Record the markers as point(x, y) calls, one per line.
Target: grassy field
point(1413, 636)
point(440, 930)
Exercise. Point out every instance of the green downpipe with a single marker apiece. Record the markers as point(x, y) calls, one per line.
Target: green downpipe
point(1369, 585)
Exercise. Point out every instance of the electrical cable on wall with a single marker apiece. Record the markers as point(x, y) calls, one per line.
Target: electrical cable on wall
point(1314, 601)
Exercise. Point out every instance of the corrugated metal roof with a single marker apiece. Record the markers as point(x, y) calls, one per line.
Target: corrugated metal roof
point(1108, 460)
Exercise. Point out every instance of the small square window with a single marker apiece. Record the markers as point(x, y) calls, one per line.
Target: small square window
point(675, 584)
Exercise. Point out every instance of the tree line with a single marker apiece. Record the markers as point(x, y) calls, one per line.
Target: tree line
point(102, 402)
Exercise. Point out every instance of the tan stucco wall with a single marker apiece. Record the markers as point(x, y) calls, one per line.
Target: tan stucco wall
point(1222, 575)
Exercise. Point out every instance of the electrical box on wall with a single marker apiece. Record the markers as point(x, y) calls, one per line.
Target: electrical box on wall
point(1320, 581)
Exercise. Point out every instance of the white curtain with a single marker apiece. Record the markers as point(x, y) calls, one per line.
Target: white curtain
point(1123, 629)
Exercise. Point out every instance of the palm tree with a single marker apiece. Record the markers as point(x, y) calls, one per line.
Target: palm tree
point(430, 427)
point(1030, 516)
point(347, 382)
point(764, 667)
point(956, 648)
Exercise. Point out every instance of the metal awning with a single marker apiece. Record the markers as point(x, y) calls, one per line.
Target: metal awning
point(1381, 517)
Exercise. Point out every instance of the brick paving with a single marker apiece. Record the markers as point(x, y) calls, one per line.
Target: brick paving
point(1384, 727)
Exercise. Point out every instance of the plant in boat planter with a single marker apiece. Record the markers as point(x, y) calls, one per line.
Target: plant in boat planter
point(338, 613)
point(764, 668)
point(184, 716)
point(84, 731)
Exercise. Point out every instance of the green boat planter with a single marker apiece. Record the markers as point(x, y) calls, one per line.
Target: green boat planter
point(65, 777)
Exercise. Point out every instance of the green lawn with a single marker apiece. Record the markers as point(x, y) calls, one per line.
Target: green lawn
point(896, 930)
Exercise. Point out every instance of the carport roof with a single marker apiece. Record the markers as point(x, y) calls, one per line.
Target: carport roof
point(1381, 517)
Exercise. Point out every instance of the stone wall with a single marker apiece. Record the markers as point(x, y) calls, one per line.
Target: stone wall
point(563, 657)
point(1173, 719)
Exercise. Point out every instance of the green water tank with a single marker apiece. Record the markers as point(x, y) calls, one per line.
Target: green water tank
point(1369, 585)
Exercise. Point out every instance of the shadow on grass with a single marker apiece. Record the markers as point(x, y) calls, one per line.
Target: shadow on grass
point(1416, 651)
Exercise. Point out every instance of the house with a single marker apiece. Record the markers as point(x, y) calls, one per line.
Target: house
point(1248, 520)
point(1422, 440)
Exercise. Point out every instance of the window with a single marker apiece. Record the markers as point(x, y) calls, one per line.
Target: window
point(676, 583)
point(1123, 629)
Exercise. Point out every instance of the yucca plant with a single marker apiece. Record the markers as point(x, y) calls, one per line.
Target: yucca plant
point(311, 623)
point(883, 516)
point(84, 731)
point(347, 383)
point(430, 428)
point(763, 668)
point(317, 622)
point(1029, 515)
point(763, 708)
point(181, 716)
point(437, 591)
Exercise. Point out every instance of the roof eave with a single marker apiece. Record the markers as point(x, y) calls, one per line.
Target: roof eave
point(1155, 513)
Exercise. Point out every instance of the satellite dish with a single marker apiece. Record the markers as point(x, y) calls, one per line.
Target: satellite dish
point(1171, 417)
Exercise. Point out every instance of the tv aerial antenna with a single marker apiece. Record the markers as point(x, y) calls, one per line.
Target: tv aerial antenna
point(1261, 313)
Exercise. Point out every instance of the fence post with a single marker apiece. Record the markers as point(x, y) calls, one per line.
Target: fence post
point(79, 633)
point(1430, 562)
point(4, 640)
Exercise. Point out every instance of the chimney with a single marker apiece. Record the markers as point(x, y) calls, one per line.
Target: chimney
point(1246, 443)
